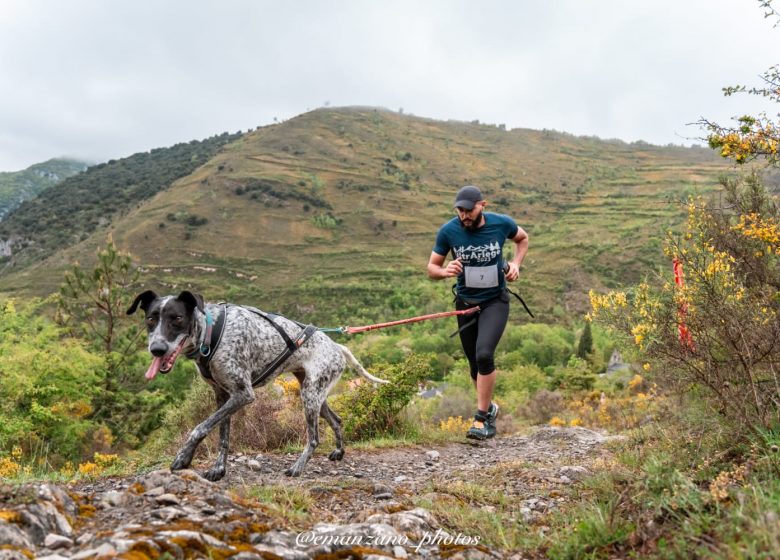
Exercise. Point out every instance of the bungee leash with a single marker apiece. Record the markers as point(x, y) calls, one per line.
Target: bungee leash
point(356, 330)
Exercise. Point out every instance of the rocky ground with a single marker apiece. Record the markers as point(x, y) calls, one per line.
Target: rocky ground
point(366, 506)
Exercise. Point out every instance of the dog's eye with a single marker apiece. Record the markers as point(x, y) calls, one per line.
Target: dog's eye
point(178, 320)
point(151, 321)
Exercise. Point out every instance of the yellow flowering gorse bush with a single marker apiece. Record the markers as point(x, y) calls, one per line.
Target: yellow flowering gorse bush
point(718, 329)
point(454, 425)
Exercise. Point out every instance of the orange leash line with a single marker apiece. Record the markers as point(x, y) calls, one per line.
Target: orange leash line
point(355, 330)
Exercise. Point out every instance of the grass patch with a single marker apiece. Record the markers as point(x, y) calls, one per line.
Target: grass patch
point(288, 504)
point(473, 510)
point(678, 488)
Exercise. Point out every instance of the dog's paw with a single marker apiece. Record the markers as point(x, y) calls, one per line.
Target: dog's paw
point(292, 471)
point(180, 463)
point(214, 474)
point(336, 455)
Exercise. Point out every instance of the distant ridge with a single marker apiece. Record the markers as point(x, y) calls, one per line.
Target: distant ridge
point(18, 186)
point(65, 215)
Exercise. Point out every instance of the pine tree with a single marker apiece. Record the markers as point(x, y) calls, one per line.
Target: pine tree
point(585, 347)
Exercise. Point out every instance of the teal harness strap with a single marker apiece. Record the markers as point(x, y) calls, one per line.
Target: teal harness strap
point(212, 338)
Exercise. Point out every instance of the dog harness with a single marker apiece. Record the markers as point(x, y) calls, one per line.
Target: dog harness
point(213, 337)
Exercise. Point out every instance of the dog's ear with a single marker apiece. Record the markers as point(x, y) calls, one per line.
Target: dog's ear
point(191, 300)
point(145, 299)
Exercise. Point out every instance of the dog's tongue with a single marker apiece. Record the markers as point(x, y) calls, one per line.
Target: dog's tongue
point(154, 369)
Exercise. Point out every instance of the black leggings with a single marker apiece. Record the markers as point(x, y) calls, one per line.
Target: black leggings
point(481, 338)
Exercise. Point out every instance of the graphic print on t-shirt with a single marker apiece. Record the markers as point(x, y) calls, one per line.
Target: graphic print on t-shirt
point(477, 254)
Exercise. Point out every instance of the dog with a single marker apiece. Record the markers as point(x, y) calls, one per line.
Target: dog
point(249, 343)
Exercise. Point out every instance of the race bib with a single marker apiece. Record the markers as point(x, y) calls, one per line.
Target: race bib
point(481, 276)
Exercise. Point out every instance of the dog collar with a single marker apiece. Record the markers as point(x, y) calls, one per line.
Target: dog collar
point(211, 339)
point(203, 347)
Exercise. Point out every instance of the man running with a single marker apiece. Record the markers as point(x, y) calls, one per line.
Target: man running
point(476, 239)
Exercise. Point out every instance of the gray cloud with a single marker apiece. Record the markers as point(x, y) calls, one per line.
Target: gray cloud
point(97, 79)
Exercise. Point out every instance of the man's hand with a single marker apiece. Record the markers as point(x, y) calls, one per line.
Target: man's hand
point(513, 272)
point(437, 270)
point(453, 268)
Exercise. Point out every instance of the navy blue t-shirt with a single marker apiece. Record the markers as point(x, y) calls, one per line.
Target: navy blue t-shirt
point(479, 251)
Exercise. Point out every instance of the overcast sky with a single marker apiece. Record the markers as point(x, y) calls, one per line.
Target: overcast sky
point(100, 79)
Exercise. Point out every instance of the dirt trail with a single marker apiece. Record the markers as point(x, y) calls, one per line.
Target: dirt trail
point(366, 506)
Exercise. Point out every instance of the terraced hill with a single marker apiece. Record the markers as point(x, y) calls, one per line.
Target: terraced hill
point(331, 216)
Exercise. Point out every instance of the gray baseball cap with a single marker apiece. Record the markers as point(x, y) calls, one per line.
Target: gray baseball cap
point(467, 197)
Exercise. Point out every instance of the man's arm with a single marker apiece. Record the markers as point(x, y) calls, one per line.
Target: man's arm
point(521, 248)
point(438, 272)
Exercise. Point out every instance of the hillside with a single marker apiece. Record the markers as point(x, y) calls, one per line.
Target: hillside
point(60, 217)
point(18, 186)
point(331, 216)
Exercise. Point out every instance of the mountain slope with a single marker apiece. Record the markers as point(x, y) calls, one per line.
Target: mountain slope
point(332, 215)
point(60, 217)
point(18, 186)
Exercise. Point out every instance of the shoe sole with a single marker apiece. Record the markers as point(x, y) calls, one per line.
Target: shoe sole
point(472, 435)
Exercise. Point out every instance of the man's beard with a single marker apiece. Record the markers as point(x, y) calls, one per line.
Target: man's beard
point(474, 223)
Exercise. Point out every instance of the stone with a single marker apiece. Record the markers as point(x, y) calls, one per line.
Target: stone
point(105, 549)
point(383, 496)
point(122, 545)
point(400, 552)
point(254, 464)
point(154, 492)
point(222, 501)
point(413, 523)
point(380, 488)
point(194, 536)
point(35, 523)
point(283, 552)
point(55, 541)
point(85, 538)
point(391, 505)
point(168, 513)
point(433, 455)
point(8, 554)
point(12, 535)
point(114, 498)
point(52, 493)
point(168, 499)
point(574, 472)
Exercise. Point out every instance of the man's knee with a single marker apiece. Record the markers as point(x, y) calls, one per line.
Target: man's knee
point(485, 363)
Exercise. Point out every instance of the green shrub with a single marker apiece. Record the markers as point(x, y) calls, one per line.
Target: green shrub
point(48, 386)
point(522, 380)
point(371, 410)
point(574, 376)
